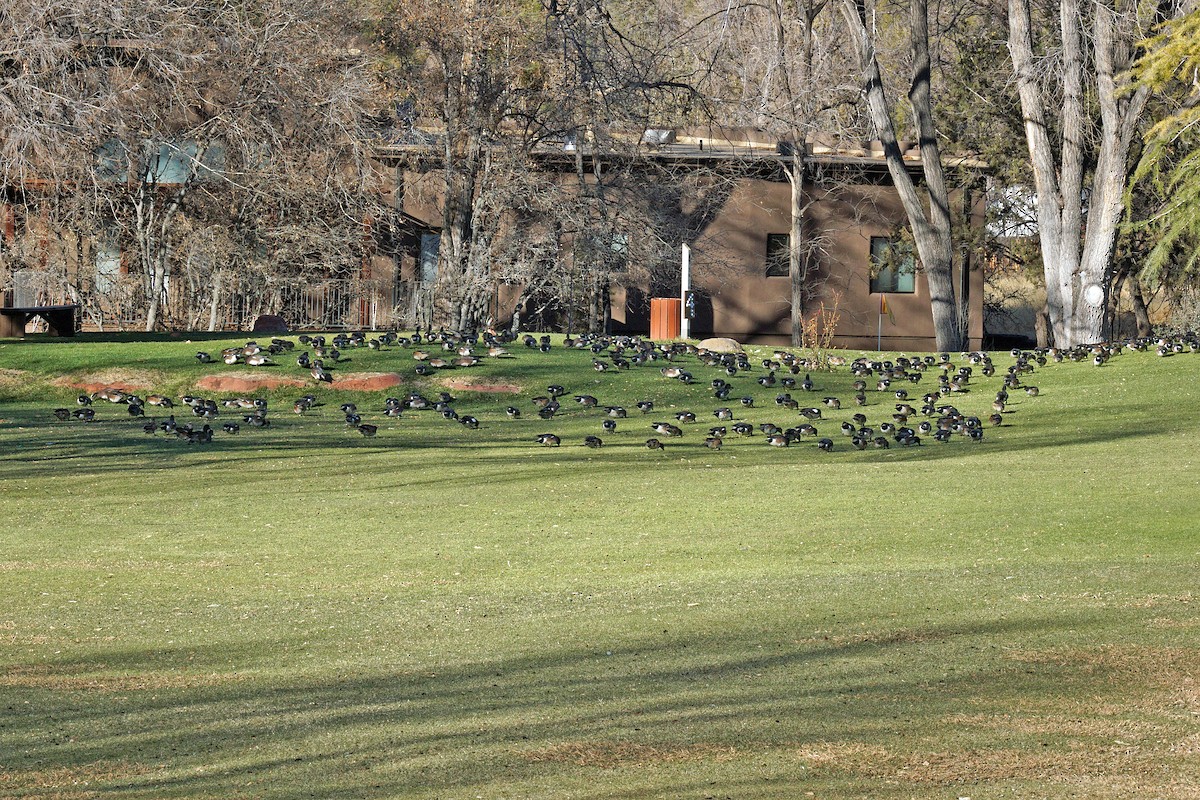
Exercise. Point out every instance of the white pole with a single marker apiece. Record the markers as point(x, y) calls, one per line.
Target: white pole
point(685, 283)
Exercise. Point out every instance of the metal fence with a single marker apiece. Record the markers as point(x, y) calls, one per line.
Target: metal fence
point(304, 304)
point(328, 304)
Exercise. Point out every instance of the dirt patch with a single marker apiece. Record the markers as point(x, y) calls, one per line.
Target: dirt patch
point(1089, 725)
point(1149, 666)
point(12, 378)
point(887, 639)
point(367, 381)
point(124, 379)
point(1006, 764)
point(1095, 765)
point(66, 781)
point(246, 384)
point(482, 386)
point(1187, 746)
point(844, 756)
point(1157, 600)
point(60, 679)
point(1138, 743)
point(609, 755)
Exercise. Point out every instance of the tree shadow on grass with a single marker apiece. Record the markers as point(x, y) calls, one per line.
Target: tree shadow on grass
point(501, 451)
point(483, 725)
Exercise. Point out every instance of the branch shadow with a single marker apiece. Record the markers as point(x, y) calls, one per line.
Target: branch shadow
point(460, 729)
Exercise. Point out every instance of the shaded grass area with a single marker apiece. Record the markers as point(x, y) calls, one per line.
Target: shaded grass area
point(439, 612)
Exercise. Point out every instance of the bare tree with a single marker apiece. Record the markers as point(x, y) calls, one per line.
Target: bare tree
point(932, 225)
point(502, 86)
point(176, 117)
point(785, 68)
point(1080, 172)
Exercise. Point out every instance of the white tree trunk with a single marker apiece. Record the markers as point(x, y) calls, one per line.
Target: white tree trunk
point(1077, 251)
point(1119, 113)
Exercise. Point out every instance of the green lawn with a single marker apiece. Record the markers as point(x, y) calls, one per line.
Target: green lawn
point(438, 612)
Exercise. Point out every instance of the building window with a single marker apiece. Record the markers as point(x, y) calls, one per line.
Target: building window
point(893, 268)
point(779, 247)
point(108, 261)
point(428, 260)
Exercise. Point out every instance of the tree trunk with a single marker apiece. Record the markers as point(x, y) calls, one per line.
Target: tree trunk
point(1141, 314)
point(797, 262)
point(1112, 309)
point(931, 231)
point(1043, 330)
point(1077, 253)
point(457, 224)
point(216, 296)
point(158, 276)
point(1050, 199)
point(1118, 115)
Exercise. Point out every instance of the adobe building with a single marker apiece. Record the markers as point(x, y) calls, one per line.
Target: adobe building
point(853, 255)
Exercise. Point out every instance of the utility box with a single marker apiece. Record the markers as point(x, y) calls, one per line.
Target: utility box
point(664, 318)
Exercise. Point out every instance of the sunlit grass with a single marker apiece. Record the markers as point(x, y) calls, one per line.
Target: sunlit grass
point(441, 612)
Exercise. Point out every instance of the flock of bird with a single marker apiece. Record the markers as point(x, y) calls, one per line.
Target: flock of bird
point(918, 393)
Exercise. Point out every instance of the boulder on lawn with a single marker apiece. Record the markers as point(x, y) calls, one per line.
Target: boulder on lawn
point(269, 323)
point(720, 344)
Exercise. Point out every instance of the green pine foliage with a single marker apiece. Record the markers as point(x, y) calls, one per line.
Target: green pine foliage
point(1170, 165)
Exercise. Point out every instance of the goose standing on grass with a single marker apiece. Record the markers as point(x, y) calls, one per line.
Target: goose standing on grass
point(666, 429)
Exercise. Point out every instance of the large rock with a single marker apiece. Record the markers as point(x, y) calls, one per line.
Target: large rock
point(269, 323)
point(720, 344)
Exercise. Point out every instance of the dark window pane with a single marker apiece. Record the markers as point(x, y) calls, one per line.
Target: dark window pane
point(779, 245)
point(893, 267)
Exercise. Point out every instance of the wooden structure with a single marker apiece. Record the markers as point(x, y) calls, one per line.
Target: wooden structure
point(60, 320)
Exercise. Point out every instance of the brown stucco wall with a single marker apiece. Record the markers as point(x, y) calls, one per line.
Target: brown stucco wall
point(729, 269)
point(737, 299)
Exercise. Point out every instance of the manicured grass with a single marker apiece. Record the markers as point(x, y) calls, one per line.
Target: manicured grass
point(439, 612)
